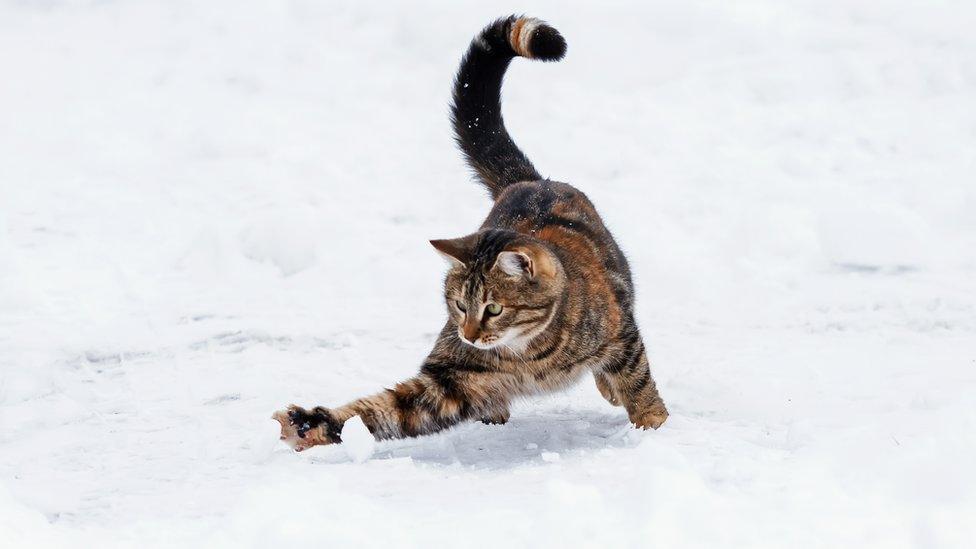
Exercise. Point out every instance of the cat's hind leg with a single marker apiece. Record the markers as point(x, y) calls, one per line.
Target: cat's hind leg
point(603, 385)
point(629, 379)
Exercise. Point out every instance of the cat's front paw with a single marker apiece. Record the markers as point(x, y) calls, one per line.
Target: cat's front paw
point(301, 429)
point(497, 417)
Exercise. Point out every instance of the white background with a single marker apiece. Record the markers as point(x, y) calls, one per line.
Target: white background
point(209, 210)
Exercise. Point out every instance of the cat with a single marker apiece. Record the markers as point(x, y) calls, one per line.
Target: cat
point(537, 297)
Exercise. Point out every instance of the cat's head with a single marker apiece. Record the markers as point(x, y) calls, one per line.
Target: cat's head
point(503, 288)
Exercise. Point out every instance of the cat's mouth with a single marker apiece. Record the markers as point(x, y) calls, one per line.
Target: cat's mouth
point(483, 342)
point(514, 341)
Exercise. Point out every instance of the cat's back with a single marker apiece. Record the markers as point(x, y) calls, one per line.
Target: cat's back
point(529, 206)
point(562, 215)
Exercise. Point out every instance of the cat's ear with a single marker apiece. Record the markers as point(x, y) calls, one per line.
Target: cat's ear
point(514, 264)
point(528, 261)
point(457, 251)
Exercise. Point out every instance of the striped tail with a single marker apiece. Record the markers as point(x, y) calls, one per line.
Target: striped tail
point(477, 112)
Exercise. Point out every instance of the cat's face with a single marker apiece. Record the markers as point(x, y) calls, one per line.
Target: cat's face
point(502, 295)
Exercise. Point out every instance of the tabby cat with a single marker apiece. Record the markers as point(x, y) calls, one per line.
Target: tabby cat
point(538, 296)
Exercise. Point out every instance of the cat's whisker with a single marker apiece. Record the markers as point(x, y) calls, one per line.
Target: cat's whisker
point(516, 353)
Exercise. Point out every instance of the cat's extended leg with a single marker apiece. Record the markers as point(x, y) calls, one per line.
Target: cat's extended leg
point(439, 397)
point(629, 380)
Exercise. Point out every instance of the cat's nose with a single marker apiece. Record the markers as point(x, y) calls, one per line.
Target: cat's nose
point(470, 331)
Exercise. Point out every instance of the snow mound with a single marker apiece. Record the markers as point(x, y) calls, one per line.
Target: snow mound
point(357, 440)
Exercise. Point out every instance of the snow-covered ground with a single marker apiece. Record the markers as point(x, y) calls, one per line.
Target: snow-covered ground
point(209, 210)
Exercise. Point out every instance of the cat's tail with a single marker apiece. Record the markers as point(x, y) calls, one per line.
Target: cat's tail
point(477, 111)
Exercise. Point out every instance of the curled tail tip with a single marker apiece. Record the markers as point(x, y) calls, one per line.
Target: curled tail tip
point(476, 112)
point(535, 39)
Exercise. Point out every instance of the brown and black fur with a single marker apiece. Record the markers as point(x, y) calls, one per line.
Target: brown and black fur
point(543, 257)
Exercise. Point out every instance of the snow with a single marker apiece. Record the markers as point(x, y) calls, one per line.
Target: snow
point(357, 440)
point(211, 210)
point(549, 457)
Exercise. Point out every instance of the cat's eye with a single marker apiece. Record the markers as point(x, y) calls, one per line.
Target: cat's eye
point(494, 309)
point(460, 306)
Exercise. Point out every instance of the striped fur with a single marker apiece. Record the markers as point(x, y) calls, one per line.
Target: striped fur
point(536, 298)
